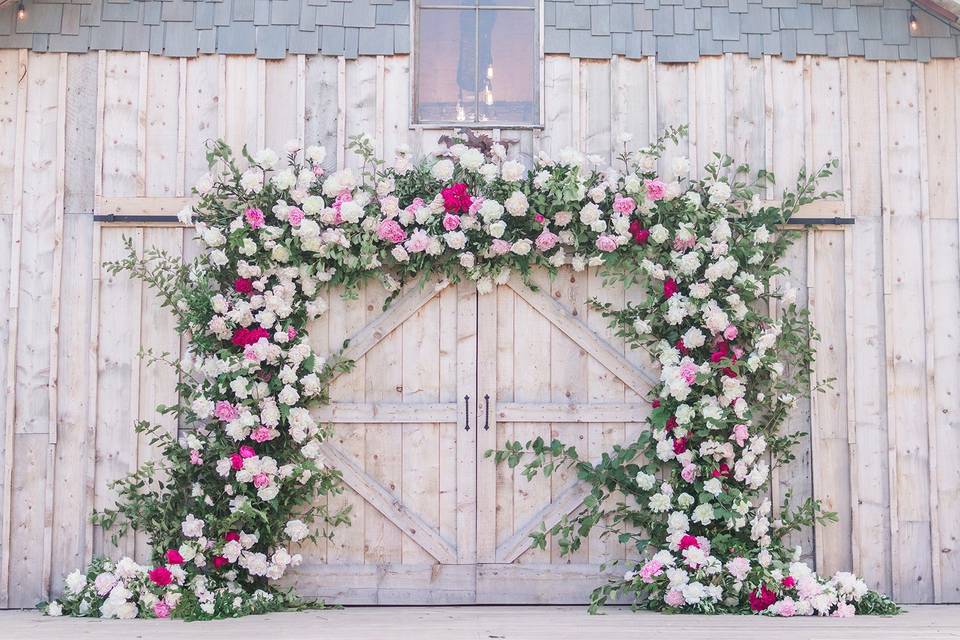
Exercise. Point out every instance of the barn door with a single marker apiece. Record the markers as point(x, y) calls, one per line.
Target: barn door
point(400, 440)
point(548, 367)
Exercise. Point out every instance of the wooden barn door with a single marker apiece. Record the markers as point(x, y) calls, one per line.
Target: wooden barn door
point(400, 440)
point(548, 367)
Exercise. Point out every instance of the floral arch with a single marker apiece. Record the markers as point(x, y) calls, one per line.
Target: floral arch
point(226, 508)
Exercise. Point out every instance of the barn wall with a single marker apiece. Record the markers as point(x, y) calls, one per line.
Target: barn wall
point(80, 131)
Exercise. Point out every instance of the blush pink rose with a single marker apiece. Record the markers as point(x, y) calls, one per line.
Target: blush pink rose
point(606, 243)
point(655, 190)
point(161, 609)
point(740, 434)
point(419, 241)
point(451, 221)
point(254, 218)
point(623, 205)
point(391, 231)
point(195, 457)
point(730, 333)
point(674, 598)
point(546, 240)
point(261, 480)
point(500, 247)
point(261, 434)
point(225, 411)
point(689, 472)
point(295, 217)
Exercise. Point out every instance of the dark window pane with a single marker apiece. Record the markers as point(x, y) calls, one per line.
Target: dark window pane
point(508, 69)
point(446, 66)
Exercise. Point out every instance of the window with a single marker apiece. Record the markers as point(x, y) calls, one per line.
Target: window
point(477, 63)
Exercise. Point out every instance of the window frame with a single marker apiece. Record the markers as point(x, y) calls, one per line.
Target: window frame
point(538, 88)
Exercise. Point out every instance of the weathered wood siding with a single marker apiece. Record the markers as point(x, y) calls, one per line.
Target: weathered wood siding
point(77, 132)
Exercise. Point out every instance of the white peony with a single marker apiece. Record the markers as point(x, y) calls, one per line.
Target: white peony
point(442, 170)
point(512, 171)
point(296, 530)
point(471, 159)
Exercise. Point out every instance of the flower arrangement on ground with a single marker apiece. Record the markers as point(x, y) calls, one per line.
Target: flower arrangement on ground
point(226, 506)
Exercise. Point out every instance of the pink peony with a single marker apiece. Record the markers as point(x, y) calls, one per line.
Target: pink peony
point(246, 451)
point(195, 457)
point(243, 336)
point(291, 333)
point(391, 231)
point(606, 243)
point(161, 609)
point(174, 557)
point(623, 205)
point(740, 434)
point(500, 247)
point(231, 536)
point(236, 461)
point(295, 216)
point(674, 598)
point(546, 240)
point(456, 199)
point(655, 190)
point(738, 567)
point(261, 480)
point(451, 221)
point(786, 608)
point(419, 241)
point(730, 333)
point(254, 217)
point(844, 611)
point(225, 411)
point(262, 434)
point(689, 472)
point(688, 371)
point(669, 287)
point(220, 561)
point(650, 570)
point(160, 576)
point(688, 541)
point(243, 285)
point(539, 218)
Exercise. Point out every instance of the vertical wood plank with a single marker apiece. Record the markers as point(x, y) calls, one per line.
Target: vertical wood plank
point(161, 135)
point(280, 115)
point(203, 100)
point(396, 107)
point(122, 172)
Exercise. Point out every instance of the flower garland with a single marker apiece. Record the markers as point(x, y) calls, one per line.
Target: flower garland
point(226, 507)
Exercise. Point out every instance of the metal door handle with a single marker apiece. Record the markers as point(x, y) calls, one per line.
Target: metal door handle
point(467, 415)
point(486, 412)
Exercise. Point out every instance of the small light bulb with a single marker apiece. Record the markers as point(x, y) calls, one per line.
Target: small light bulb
point(914, 25)
point(21, 11)
point(490, 72)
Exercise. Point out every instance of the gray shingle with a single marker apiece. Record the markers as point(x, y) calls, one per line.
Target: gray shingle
point(822, 20)
point(376, 41)
point(351, 42)
point(585, 45)
point(331, 41)
point(663, 21)
point(895, 26)
point(359, 13)
point(800, 17)
point(737, 6)
point(683, 20)
point(943, 47)
point(330, 15)
point(203, 18)
point(755, 45)
point(70, 25)
point(243, 10)
point(618, 43)
point(108, 36)
point(305, 42)
point(836, 44)
point(78, 43)
point(809, 43)
point(869, 20)
point(788, 44)
point(549, 14)
point(923, 49)
point(396, 13)
point(401, 39)
point(600, 21)
point(90, 14)
point(239, 37)
point(272, 42)
point(621, 18)
point(136, 36)
point(771, 43)
point(845, 19)
point(854, 44)
point(177, 11)
point(702, 19)
point(207, 41)
point(571, 16)
point(642, 19)
point(126, 12)
point(929, 26)
point(876, 50)
point(40, 42)
point(285, 12)
point(261, 12)
point(726, 25)
point(757, 20)
point(709, 46)
point(736, 46)
point(678, 48)
point(556, 40)
point(180, 39)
